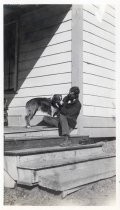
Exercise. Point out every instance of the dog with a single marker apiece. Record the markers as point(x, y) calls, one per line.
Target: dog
point(50, 106)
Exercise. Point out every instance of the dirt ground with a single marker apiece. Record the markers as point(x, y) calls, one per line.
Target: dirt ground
point(101, 193)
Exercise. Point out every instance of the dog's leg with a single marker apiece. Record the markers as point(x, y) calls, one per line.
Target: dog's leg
point(31, 111)
point(53, 110)
point(27, 119)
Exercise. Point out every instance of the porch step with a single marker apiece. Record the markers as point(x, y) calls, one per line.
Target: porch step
point(86, 172)
point(30, 166)
point(49, 168)
point(19, 143)
point(32, 151)
point(17, 132)
point(15, 158)
point(36, 131)
point(58, 156)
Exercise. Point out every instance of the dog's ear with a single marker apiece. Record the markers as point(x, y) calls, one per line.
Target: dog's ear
point(60, 97)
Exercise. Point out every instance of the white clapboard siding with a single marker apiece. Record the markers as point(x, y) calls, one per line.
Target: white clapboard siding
point(103, 25)
point(98, 122)
point(97, 80)
point(45, 61)
point(48, 80)
point(22, 111)
point(44, 66)
point(98, 101)
point(98, 91)
point(38, 24)
point(15, 110)
point(56, 27)
point(37, 35)
point(47, 70)
point(97, 40)
point(106, 17)
point(98, 50)
point(97, 60)
point(21, 101)
point(46, 90)
point(56, 39)
point(88, 26)
point(110, 9)
point(64, 26)
point(25, 94)
point(58, 48)
point(100, 132)
point(98, 111)
point(96, 70)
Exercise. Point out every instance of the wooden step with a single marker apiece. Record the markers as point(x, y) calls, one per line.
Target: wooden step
point(87, 172)
point(68, 176)
point(15, 158)
point(56, 160)
point(36, 131)
point(19, 143)
point(27, 163)
point(32, 151)
point(58, 156)
point(17, 132)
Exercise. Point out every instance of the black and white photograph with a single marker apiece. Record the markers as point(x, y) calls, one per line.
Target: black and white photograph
point(59, 83)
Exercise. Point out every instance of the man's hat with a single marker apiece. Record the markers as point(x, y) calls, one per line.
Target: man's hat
point(75, 89)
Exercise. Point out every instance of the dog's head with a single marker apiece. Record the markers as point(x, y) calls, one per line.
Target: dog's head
point(56, 99)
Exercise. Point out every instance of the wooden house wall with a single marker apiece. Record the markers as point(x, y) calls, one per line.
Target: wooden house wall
point(45, 63)
point(99, 72)
point(44, 66)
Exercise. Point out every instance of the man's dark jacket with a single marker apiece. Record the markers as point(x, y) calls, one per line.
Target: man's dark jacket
point(71, 111)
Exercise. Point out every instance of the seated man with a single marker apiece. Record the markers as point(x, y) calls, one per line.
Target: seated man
point(67, 118)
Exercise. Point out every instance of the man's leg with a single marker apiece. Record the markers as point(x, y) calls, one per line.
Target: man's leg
point(53, 121)
point(64, 125)
point(65, 130)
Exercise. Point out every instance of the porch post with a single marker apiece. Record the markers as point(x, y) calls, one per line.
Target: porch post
point(77, 57)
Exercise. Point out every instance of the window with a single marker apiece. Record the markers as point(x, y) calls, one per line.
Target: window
point(10, 56)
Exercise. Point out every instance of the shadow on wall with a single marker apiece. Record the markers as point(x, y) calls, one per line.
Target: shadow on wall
point(36, 29)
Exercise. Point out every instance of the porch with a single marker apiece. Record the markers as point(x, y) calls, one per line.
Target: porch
point(54, 51)
point(32, 158)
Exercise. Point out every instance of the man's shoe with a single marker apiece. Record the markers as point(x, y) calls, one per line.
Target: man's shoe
point(28, 126)
point(66, 143)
